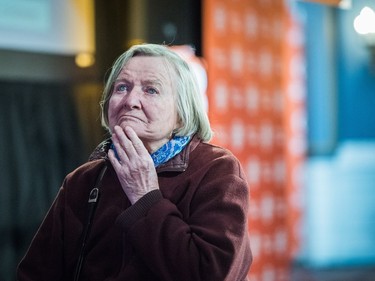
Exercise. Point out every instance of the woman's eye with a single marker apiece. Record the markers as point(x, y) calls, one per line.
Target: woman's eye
point(121, 88)
point(151, 91)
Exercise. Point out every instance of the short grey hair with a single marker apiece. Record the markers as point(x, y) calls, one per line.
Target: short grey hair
point(190, 106)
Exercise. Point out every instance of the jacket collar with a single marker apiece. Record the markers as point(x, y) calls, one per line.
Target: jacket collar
point(179, 163)
point(100, 152)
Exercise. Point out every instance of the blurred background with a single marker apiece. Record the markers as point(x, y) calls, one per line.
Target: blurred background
point(290, 89)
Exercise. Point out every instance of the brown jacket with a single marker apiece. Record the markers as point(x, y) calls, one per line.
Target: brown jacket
point(194, 228)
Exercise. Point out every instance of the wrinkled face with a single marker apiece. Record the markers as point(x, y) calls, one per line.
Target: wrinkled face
point(144, 98)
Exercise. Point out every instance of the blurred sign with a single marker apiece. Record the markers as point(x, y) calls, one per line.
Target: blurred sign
point(52, 26)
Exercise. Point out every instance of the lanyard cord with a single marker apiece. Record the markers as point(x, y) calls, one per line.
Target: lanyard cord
point(92, 202)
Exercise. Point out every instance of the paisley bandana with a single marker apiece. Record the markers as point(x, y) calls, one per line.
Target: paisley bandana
point(167, 151)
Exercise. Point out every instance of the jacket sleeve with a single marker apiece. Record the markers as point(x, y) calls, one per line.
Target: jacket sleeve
point(43, 260)
point(211, 244)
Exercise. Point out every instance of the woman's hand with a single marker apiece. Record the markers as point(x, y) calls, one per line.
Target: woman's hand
point(134, 168)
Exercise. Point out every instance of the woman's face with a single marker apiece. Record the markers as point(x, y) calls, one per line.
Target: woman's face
point(144, 98)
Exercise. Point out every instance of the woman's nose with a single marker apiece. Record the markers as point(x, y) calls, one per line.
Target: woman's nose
point(132, 99)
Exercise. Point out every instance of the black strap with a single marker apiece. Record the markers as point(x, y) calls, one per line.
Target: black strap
point(92, 202)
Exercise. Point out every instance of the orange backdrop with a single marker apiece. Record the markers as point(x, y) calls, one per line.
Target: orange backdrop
point(254, 55)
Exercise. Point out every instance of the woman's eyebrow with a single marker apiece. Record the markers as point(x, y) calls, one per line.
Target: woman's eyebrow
point(156, 82)
point(121, 80)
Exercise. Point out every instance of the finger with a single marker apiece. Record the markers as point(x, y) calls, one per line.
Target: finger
point(119, 149)
point(124, 141)
point(114, 161)
point(136, 141)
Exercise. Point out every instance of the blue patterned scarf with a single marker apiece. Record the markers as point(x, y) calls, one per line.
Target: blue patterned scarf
point(167, 151)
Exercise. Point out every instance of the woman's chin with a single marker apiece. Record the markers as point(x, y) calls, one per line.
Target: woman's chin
point(133, 123)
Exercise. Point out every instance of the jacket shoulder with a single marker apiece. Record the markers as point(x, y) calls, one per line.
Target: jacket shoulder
point(217, 158)
point(210, 150)
point(87, 171)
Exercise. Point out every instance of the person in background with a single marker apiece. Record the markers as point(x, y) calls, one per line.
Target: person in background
point(156, 201)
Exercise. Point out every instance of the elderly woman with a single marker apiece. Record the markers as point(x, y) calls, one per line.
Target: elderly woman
point(156, 201)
